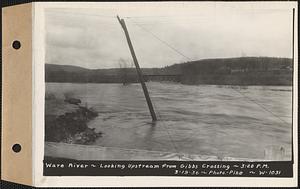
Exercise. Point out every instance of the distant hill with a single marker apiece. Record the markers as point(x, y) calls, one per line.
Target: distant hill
point(66, 68)
point(221, 65)
point(235, 71)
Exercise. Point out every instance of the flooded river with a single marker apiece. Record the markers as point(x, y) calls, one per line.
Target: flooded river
point(222, 121)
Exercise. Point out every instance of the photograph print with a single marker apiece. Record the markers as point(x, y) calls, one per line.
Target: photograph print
point(169, 83)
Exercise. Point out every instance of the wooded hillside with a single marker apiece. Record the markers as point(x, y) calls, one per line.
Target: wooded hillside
point(235, 71)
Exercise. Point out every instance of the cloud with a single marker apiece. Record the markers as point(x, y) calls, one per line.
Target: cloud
point(78, 37)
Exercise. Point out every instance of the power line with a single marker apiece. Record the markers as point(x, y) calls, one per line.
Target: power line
point(166, 16)
point(164, 42)
point(166, 129)
point(138, 17)
point(261, 106)
point(106, 16)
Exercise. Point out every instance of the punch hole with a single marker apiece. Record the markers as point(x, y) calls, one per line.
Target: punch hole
point(16, 44)
point(16, 148)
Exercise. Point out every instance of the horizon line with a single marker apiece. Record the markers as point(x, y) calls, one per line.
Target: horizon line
point(173, 63)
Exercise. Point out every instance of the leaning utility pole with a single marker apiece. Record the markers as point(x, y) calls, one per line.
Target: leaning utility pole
point(139, 72)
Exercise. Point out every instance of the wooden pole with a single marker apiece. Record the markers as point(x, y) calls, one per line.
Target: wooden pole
point(139, 72)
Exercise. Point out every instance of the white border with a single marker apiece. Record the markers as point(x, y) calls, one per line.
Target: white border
point(139, 181)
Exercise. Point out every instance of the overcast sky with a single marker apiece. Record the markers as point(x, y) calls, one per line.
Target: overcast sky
point(93, 38)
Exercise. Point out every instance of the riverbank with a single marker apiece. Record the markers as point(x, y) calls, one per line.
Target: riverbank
point(66, 121)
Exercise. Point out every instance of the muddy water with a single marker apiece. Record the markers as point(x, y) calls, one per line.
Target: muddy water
point(244, 122)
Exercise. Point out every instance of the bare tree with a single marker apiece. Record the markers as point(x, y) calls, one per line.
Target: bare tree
point(123, 64)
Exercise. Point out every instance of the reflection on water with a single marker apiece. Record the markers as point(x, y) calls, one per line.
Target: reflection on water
point(223, 121)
